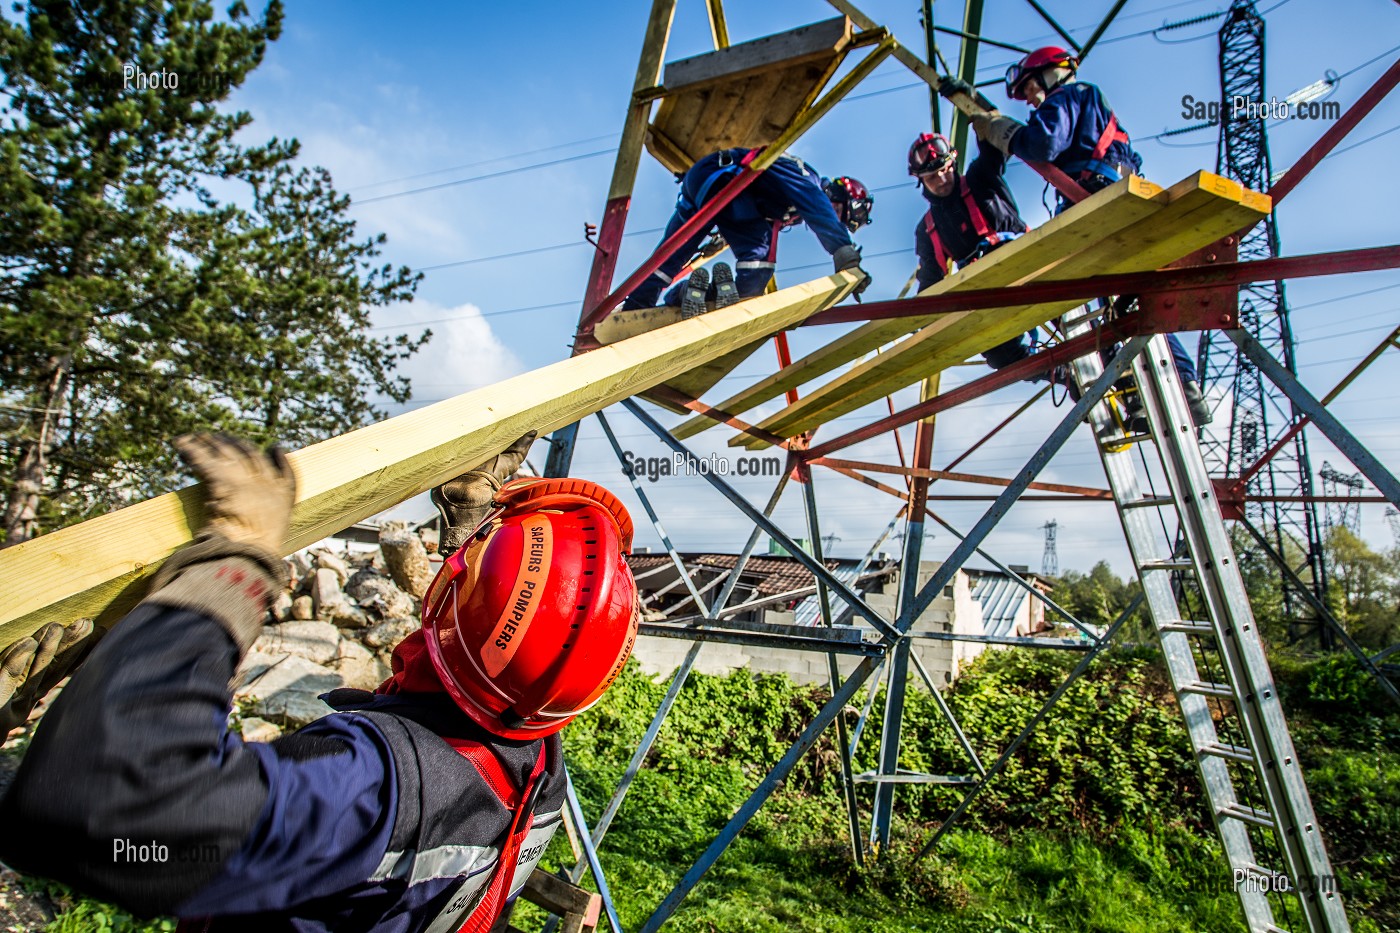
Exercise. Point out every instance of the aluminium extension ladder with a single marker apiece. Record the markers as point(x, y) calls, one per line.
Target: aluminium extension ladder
point(1213, 652)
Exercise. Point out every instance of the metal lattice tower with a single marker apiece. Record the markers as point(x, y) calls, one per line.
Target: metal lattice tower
point(1259, 412)
point(1342, 512)
point(1050, 561)
point(1392, 518)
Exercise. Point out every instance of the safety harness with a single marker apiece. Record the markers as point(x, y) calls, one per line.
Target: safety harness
point(979, 224)
point(487, 906)
point(1097, 163)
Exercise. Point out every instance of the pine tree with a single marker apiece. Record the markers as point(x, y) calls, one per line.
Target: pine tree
point(134, 304)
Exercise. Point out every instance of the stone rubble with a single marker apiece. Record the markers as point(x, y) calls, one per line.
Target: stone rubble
point(335, 626)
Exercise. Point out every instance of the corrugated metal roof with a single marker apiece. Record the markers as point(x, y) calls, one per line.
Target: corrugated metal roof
point(808, 612)
point(1001, 600)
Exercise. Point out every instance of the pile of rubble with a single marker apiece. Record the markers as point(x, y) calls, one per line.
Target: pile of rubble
point(336, 625)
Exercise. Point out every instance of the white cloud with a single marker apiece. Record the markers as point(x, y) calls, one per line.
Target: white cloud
point(463, 354)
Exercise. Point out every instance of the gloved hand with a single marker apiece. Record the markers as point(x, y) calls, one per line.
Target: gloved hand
point(32, 666)
point(248, 493)
point(948, 85)
point(848, 257)
point(466, 500)
point(996, 128)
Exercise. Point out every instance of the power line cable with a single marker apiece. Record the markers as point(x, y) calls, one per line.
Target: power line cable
point(486, 177)
point(457, 168)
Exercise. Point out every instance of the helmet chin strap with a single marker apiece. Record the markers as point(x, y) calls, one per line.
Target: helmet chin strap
point(1051, 78)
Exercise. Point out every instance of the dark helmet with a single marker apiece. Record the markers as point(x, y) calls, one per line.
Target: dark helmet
point(851, 199)
point(930, 152)
point(1051, 56)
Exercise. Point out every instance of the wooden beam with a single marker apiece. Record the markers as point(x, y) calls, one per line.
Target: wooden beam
point(1119, 206)
point(96, 569)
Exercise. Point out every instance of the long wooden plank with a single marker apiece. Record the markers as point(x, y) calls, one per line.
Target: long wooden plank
point(1115, 208)
point(96, 569)
point(1201, 209)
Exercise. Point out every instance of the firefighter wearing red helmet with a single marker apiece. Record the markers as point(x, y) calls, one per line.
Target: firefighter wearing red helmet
point(787, 191)
point(969, 215)
point(421, 806)
point(1073, 127)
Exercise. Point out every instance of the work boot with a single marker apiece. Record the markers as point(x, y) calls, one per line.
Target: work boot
point(1200, 410)
point(693, 298)
point(723, 286)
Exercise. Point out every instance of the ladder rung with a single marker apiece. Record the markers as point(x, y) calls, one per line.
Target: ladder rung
point(1206, 688)
point(1226, 750)
point(1169, 563)
point(1189, 627)
point(1148, 502)
point(1238, 811)
point(1117, 440)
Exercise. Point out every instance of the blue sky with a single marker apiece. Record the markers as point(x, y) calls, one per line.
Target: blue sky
point(475, 99)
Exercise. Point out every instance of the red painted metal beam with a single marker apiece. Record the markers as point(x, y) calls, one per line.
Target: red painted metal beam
point(1127, 283)
point(701, 221)
point(1335, 133)
point(718, 414)
point(1042, 362)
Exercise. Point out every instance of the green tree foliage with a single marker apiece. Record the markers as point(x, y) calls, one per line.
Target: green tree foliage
point(1365, 588)
point(134, 304)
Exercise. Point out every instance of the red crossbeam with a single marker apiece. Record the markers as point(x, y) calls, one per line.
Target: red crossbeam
point(1328, 141)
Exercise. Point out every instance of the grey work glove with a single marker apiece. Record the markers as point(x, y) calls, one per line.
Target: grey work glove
point(33, 666)
point(465, 501)
point(996, 128)
point(948, 86)
point(232, 570)
point(848, 257)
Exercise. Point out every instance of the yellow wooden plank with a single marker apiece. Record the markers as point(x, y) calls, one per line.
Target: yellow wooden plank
point(1203, 208)
point(1108, 211)
point(96, 569)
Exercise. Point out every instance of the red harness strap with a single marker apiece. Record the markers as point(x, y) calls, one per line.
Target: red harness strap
point(1111, 134)
point(974, 213)
point(522, 801)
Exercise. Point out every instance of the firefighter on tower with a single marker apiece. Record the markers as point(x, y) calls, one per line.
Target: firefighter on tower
point(788, 191)
point(968, 216)
point(1073, 127)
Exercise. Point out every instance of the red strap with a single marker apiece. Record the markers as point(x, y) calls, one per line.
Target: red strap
point(490, 769)
point(497, 889)
point(939, 253)
point(1111, 134)
point(979, 222)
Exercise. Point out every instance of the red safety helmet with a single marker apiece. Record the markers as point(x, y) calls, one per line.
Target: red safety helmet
point(930, 152)
point(534, 617)
point(1051, 56)
point(851, 199)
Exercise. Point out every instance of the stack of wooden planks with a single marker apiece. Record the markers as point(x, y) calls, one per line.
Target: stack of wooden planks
point(1130, 227)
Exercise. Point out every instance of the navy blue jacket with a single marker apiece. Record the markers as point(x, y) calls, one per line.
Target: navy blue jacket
point(360, 821)
point(1066, 127)
point(986, 179)
point(746, 223)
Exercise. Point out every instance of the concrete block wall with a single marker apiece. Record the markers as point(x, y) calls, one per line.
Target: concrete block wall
point(955, 612)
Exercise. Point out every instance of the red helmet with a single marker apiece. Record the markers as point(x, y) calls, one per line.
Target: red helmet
point(851, 199)
point(930, 152)
point(534, 618)
point(1051, 56)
